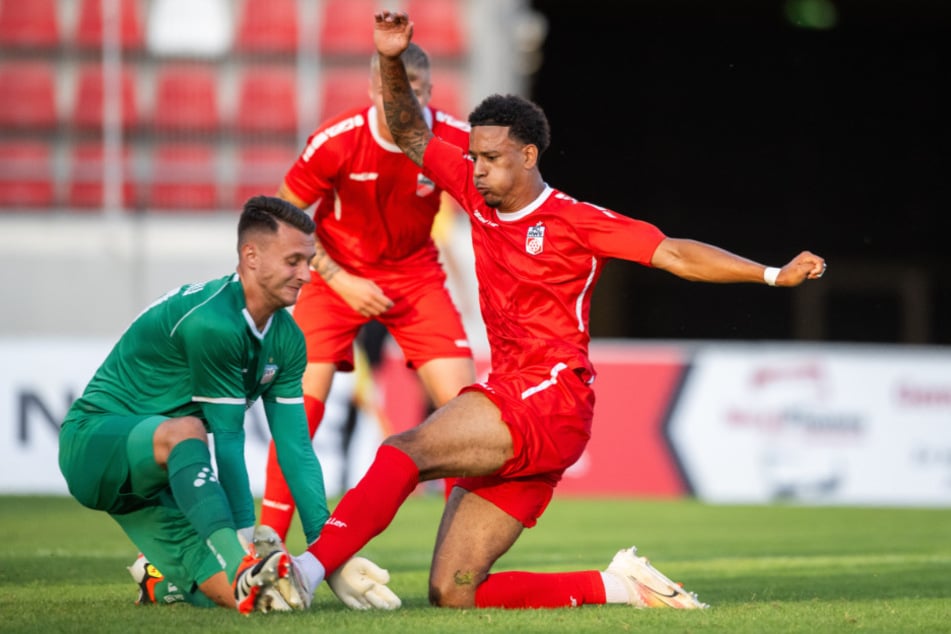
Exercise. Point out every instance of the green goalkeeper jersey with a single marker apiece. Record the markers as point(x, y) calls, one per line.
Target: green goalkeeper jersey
point(197, 352)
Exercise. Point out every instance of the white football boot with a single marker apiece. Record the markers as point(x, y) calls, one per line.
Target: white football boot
point(647, 587)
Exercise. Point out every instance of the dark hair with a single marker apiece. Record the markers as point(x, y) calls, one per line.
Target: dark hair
point(525, 120)
point(262, 213)
point(414, 57)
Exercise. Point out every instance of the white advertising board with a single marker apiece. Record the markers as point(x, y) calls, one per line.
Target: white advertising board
point(40, 378)
point(752, 423)
point(816, 424)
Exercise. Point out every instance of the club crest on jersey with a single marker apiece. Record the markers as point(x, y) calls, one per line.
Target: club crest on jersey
point(424, 186)
point(269, 371)
point(535, 239)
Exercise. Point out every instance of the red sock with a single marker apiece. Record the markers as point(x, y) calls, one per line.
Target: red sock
point(541, 590)
point(277, 507)
point(367, 508)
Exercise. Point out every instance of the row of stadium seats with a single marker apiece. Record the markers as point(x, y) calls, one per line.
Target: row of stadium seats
point(261, 26)
point(193, 126)
point(186, 176)
point(187, 97)
point(37, 24)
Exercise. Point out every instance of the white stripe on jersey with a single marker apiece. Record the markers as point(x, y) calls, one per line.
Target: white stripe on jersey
point(580, 301)
point(544, 385)
point(220, 401)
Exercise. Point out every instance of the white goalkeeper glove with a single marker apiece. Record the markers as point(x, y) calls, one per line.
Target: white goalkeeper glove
point(361, 585)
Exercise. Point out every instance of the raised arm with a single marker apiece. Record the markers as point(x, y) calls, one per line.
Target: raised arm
point(700, 262)
point(392, 34)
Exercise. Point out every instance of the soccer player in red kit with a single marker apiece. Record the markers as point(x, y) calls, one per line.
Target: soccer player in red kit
point(376, 259)
point(538, 255)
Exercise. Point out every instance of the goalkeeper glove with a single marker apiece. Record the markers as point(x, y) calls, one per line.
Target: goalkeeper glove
point(361, 585)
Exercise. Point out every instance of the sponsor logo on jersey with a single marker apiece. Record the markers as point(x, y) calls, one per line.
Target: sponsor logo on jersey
point(424, 186)
point(535, 239)
point(270, 370)
point(193, 288)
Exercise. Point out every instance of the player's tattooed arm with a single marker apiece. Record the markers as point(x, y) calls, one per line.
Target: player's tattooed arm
point(404, 117)
point(322, 263)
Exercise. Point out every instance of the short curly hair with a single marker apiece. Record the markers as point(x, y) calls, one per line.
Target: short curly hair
point(525, 120)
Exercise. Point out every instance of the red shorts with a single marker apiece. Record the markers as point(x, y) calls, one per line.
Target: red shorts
point(423, 321)
point(549, 417)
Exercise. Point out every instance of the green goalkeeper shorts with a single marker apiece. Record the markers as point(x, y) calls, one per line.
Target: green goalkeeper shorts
point(108, 463)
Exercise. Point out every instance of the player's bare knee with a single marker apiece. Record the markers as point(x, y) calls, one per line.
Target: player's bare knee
point(451, 595)
point(455, 589)
point(176, 430)
point(187, 427)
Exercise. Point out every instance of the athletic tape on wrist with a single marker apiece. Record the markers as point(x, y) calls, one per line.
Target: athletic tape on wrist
point(770, 275)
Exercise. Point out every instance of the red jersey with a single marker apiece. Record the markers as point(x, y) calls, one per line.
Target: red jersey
point(537, 267)
point(374, 208)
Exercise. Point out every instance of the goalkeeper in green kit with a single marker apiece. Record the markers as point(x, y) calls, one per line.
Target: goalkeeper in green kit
point(135, 444)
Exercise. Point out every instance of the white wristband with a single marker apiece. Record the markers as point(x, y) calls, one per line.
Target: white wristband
point(770, 275)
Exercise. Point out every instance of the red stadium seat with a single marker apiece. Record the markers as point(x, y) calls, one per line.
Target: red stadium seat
point(26, 175)
point(261, 168)
point(90, 26)
point(183, 177)
point(186, 99)
point(88, 104)
point(267, 100)
point(86, 177)
point(347, 87)
point(346, 27)
point(29, 24)
point(342, 89)
point(438, 26)
point(449, 92)
point(268, 26)
point(33, 103)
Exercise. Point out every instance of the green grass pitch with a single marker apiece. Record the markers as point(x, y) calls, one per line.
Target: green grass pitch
point(762, 568)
